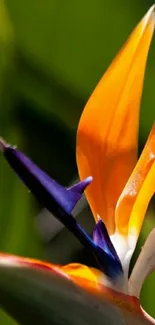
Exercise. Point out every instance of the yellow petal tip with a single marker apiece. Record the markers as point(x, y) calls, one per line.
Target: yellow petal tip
point(2, 145)
point(151, 13)
point(149, 17)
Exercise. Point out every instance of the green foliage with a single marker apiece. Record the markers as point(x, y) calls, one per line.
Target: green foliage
point(53, 54)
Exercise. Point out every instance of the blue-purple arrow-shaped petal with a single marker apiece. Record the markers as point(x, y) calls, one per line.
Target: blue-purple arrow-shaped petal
point(42, 185)
point(61, 201)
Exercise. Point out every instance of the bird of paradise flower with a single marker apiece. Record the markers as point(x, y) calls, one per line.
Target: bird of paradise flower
point(118, 191)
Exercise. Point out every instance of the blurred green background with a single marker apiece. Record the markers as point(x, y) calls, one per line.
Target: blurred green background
point(53, 52)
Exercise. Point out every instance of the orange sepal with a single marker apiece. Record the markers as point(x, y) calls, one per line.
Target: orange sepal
point(107, 132)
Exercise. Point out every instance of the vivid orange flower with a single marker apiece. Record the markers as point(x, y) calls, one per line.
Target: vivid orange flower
point(119, 193)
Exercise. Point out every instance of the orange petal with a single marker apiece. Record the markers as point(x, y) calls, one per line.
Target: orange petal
point(83, 274)
point(143, 198)
point(133, 202)
point(107, 132)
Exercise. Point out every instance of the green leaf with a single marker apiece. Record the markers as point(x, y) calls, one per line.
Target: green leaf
point(36, 296)
point(65, 47)
point(16, 213)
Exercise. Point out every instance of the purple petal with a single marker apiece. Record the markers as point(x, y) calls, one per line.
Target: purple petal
point(61, 201)
point(81, 186)
point(102, 239)
point(33, 177)
point(56, 198)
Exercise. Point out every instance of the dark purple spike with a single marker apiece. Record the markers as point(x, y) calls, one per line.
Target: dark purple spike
point(81, 186)
point(102, 239)
point(108, 264)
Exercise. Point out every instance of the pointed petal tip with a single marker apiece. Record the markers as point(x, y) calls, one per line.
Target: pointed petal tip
point(3, 145)
point(151, 13)
point(149, 17)
point(81, 186)
point(88, 180)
